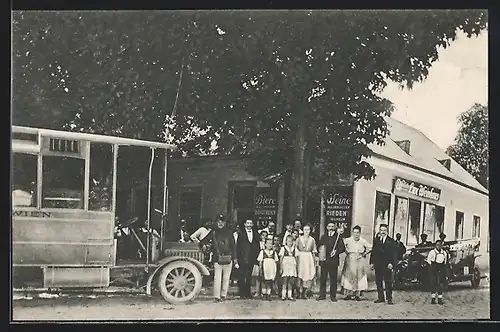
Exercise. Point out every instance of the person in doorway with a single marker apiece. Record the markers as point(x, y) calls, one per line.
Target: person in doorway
point(182, 233)
point(354, 277)
point(382, 260)
point(333, 245)
point(267, 260)
point(224, 256)
point(306, 260)
point(247, 250)
point(400, 247)
point(423, 241)
point(288, 268)
point(288, 231)
point(201, 232)
point(438, 260)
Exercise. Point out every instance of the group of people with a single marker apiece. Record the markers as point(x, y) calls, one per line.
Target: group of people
point(286, 266)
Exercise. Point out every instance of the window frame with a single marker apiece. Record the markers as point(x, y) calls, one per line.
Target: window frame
point(38, 177)
point(474, 216)
point(435, 228)
point(462, 227)
point(420, 221)
point(190, 188)
point(396, 197)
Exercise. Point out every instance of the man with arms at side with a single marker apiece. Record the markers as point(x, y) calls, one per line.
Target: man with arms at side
point(333, 244)
point(247, 250)
point(382, 260)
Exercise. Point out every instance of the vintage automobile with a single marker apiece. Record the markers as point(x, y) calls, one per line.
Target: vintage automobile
point(414, 268)
point(66, 202)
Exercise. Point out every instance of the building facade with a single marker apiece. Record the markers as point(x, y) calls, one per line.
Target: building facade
point(417, 189)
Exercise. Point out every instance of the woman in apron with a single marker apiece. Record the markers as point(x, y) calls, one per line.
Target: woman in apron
point(306, 260)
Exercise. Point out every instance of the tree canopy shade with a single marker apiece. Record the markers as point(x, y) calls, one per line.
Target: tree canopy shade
point(292, 91)
point(470, 149)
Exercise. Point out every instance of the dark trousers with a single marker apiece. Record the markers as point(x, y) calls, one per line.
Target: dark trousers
point(438, 278)
point(328, 268)
point(245, 279)
point(383, 276)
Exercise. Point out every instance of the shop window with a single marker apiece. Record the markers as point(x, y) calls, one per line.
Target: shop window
point(433, 221)
point(63, 182)
point(476, 227)
point(459, 225)
point(401, 218)
point(382, 210)
point(414, 223)
point(101, 177)
point(190, 200)
point(24, 179)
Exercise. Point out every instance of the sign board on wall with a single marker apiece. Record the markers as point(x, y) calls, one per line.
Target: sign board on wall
point(338, 207)
point(266, 206)
point(416, 189)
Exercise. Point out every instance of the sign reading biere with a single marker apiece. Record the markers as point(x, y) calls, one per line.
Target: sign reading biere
point(338, 207)
point(266, 206)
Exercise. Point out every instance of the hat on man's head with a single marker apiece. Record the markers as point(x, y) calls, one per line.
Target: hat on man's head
point(220, 217)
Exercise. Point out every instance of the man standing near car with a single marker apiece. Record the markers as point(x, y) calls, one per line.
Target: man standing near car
point(247, 250)
point(382, 260)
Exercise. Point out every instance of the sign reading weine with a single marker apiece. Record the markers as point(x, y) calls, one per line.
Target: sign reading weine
point(417, 189)
point(338, 206)
point(266, 206)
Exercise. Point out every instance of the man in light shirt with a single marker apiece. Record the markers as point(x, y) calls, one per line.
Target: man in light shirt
point(202, 232)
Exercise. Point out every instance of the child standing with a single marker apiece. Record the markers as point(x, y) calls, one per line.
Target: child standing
point(267, 260)
point(288, 268)
point(258, 273)
point(277, 282)
point(438, 260)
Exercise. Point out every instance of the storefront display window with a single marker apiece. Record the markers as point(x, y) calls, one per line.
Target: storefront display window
point(433, 221)
point(414, 223)
point(24, 181)
point(382, 210)
point(401, 218)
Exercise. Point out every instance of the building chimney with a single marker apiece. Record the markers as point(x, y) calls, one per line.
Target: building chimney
point(404, 145)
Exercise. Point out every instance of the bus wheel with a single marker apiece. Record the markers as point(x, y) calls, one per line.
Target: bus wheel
point(180, 282)
point(476, 278)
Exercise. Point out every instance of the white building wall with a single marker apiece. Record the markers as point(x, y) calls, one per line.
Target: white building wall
point(453, 197)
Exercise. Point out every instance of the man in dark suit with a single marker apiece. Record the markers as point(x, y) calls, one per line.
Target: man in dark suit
point(333, 246)
point(382, 259)
point(247, 250)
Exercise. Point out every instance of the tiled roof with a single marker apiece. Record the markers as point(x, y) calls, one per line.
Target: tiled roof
point(424, 153)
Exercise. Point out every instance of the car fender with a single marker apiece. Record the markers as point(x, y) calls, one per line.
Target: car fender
point(202, 268)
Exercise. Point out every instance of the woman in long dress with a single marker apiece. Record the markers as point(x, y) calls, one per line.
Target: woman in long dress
point(354, 279)
point(306, 252)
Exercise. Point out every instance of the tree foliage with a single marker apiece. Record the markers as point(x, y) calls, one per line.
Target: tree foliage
point(470, 149)
point(263, 84)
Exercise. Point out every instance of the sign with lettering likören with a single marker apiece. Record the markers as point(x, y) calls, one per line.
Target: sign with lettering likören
point(266, 206)
point(416, 189)
point(338, 207)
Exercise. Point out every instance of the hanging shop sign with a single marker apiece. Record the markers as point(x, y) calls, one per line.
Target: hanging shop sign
point(338, 206)
point(266, 206)
point(416, 189)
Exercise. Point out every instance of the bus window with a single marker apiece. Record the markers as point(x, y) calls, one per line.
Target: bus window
point(63, 182)
point(24, 186)
point(101, 177)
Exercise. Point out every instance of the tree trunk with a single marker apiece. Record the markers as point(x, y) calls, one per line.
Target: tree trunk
point(296, 202)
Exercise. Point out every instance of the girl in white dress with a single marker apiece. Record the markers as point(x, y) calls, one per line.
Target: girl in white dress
point(267, 260)
point(256, 273)
point(288, 265)
point(306, 260)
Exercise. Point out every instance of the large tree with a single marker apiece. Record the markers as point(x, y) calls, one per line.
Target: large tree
point(470, 148)
point(295, 92)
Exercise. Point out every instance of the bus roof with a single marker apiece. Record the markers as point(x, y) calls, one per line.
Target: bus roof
point(91, 137)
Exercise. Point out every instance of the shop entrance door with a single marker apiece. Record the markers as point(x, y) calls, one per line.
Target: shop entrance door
point(241, 203)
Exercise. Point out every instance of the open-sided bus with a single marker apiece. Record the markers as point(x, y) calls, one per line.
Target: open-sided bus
point(65, 194)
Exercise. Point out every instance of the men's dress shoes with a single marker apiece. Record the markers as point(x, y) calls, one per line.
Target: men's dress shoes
point(379, 301)
point(320, 298)
point(333, 299)
point(390, 302)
